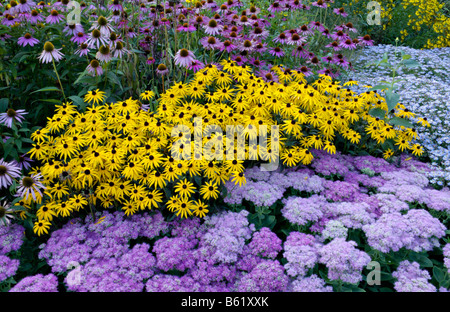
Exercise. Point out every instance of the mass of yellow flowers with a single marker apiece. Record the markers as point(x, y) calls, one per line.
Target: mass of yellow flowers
point(420, 14)
point(121, 156)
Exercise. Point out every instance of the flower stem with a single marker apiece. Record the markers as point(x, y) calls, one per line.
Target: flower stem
point(59, 80)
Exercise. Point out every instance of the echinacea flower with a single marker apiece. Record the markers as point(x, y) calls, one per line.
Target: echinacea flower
point(73, 29)
point(54, 17)
point(366, 40)
point(50, 53)
point(31, 186)
point(184, 58)
point(196, 66)
point(27, 39)
point(211, 43)
point(213, 28)
point(277, 51)
point(6, 213)
point(94, 68)
point(150, 60)
point(340, 11)
point(348, 44)
point(79, 38)
point(96, 39)
point(103, 54)
point(24, 162)
point(82, 50)
point(11, 116)
point(103, 25)
point(119, 50)
point(8, 172)
point(35, 17)
point(24, 6)
point(162, 70)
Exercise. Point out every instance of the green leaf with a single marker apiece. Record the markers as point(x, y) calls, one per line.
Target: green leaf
point(78, 101)
point(411, 63)
point(421, 259)
point(439, 275)
point(380, 87)
point(392, 99)
point(405, 56)
point(377, 112)
point(4, 104)
point(401, 122)
point(47, 89)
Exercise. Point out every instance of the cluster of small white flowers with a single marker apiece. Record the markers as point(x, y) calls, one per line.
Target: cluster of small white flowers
point(424, 90)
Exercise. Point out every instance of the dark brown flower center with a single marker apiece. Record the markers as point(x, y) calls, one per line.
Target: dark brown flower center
point(28, 182)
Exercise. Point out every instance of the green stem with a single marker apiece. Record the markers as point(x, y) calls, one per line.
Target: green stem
point(59, 80)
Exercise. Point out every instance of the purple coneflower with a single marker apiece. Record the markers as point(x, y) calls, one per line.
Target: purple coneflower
point(73, 29)
point(150, 60)
point(8, 172)
point(320, 4)
point(275, 7)
point(24, 6)
point(305, 71)
point(103, 25)
point(340, 11)
point(103, 54)
point(94, 68)
point(195, 66)
point(334, 45)
point(281, 38)
point(213, 28)
point(316, 25)
point(259, 33)
point(228, 46)
point(349, 27)
point(96, 39)
point(54, 17)
point(348, 44)
point(119, 50)
point(162, 70)
point(260, 48)
point(50, 53)
point(366, 40)
point(9, 20)
point(30, 186)
point(186, 28)
point(35, 17)
point(296, 39)
point(339, 59)
point(115, 6)
point(24, 162)
point(6, 213)
point(184, 58)
point(268, 76)
point(257, 62)
point(300, 51)
point(11, 116)
point(305, 30)
point(239, 59)
point(27, 39)
point(210, 43)
point(79, 38)
point(339, 36)
point(247, 45)
point(277, 51)
point(82, 50)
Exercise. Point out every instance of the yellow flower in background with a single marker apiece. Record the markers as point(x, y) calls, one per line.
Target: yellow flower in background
point(147, 95)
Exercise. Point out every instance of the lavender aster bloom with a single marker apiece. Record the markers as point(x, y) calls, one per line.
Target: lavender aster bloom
point(301, 252)
point(410, 278)
point(312, 283)
point(8, 267)
point(267, 276)
point(37, 283)
point(343, 260)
